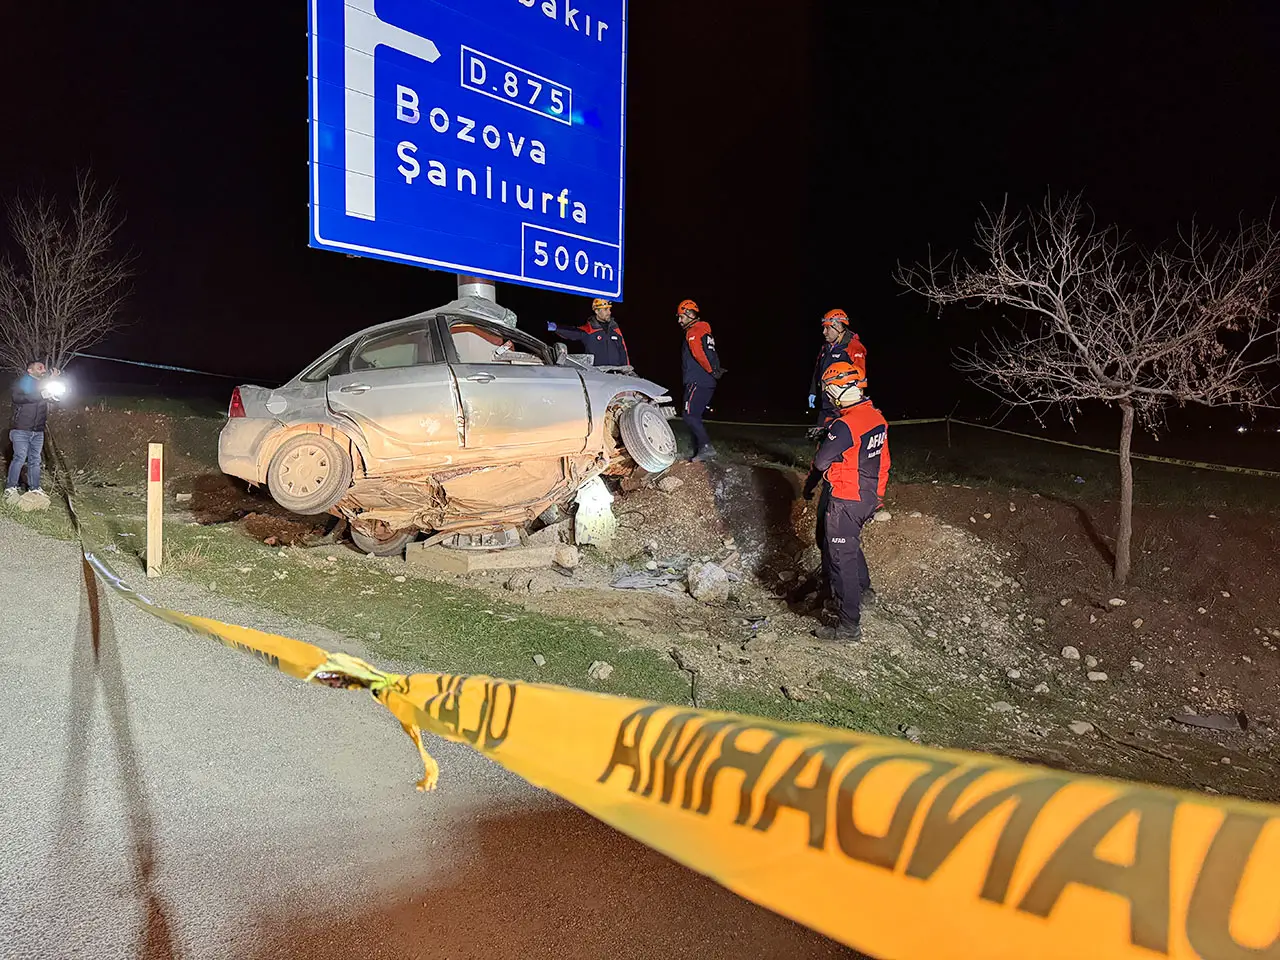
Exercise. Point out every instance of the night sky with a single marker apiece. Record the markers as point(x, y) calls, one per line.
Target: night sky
point(782, 157)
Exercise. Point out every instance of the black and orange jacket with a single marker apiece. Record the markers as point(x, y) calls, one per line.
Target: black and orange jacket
point(701, 362)
point(848, 348)
point(855, 454)
point(603, 341)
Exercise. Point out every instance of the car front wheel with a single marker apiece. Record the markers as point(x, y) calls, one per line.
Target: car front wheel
point(309, 474)
point(647, 437)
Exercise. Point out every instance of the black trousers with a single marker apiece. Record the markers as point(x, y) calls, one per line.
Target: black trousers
point(846, 564)
point(824, 501)
point(696, 398)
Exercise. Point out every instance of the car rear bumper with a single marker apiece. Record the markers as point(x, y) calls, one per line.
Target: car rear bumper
point(239, 444)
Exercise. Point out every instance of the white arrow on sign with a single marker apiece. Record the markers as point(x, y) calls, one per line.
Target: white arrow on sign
point(363, 33)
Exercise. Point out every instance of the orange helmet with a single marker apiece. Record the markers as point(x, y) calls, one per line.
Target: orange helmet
point(843, 374)
point(597, 303)
point(688, 305)
point(835, 316)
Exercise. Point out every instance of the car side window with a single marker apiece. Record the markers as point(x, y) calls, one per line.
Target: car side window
point(325, 367)
point(478, 342)
point(402, 347)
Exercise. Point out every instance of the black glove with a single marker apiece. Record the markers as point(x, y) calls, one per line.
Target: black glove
point(720, 373)
point(811, 484)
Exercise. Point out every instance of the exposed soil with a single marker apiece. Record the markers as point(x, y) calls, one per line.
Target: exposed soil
point(108, 445)
point(965, 646)
point(971, 619)
point(1202, 612)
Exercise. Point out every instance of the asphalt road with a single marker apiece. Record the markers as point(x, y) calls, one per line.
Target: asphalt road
point(170, 798)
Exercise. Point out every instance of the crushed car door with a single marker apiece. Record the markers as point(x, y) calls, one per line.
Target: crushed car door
point(399, 391)
point(513, 393)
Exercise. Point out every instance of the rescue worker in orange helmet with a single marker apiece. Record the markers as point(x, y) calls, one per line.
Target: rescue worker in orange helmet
point(601, 336)
point(854, 458)
point(701, 368)
point(841, 343)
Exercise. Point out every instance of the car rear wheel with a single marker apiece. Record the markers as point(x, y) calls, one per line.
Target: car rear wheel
point(309, 474)
point(647, 437)
point(379, 540)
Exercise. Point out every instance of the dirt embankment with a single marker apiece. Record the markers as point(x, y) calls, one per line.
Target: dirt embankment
point(980, 591)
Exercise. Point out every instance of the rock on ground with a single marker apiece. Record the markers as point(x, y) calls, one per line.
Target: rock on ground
point(810, 559)
point(708, 583)
point(600, 670)
point(559, 532)
point(33, 500)
point(670, 484)
point(522, 582)
point(567, 556)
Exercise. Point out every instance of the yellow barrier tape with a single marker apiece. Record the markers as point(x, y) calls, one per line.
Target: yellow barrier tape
point(747, 423)
point(891, 848)
point(1196, 464)
point(894, 849)
point(1151, 458)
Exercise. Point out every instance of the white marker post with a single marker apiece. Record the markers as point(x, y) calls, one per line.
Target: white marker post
point(155, 508)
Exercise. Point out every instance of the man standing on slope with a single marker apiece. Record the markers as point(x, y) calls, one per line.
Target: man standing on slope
point(31, 395)
point(841, 344)
point(601, 335)
point(701, 371)
point(854, 457)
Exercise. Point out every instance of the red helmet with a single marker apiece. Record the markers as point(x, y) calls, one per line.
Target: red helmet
point(835, 316)
point(688, 305)
point(844, 374)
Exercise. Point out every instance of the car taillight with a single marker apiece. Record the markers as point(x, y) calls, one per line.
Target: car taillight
point(237, 405)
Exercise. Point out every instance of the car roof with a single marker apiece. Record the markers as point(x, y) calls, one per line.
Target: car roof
point(474, 308)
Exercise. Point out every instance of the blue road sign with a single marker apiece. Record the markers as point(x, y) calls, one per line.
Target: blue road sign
point(478, 136)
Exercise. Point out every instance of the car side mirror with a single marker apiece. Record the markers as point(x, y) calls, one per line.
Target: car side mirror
point(561, 353)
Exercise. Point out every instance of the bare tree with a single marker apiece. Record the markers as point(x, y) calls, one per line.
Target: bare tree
point(1099, 319)
point(64, 291)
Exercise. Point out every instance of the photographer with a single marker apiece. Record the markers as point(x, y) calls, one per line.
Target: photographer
point(31, 396)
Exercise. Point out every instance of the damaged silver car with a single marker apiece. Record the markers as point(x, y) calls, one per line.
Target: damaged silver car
point(450, 421)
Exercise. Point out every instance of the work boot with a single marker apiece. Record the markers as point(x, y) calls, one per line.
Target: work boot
point(706, 453)
point(841, 633)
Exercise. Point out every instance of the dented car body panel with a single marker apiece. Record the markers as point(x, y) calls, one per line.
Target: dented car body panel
point(423, 402)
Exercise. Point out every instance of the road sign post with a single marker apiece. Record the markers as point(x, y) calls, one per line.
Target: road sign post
point(482, 137)
point(477, 287)
point(155, 508)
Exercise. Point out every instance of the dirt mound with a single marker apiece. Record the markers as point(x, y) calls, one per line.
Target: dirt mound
point(108, 445)
point(684, 521)
point(695, 508)
point(279, 531)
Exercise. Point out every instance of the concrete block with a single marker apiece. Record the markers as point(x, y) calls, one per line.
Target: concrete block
point(449, 560)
